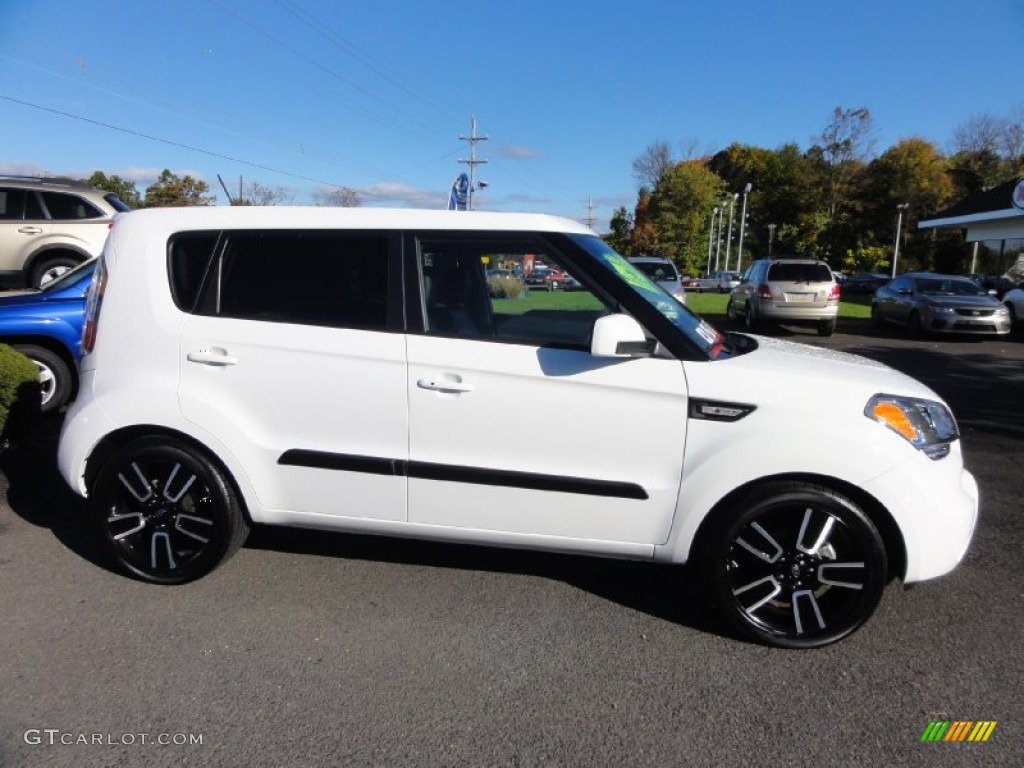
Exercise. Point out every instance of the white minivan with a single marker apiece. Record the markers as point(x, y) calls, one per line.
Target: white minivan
point(348, 369)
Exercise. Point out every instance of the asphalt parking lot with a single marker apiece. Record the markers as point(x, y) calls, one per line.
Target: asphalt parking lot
point(312, 649)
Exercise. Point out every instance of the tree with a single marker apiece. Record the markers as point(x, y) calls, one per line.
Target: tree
point(124, 189)
point(621, 235)
point(680, 206)
point(342, 197)
point(260, 194)
point(172, 190)
point(652, 164)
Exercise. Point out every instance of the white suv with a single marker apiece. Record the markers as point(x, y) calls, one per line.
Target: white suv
point(221, 386)
point(48, 226)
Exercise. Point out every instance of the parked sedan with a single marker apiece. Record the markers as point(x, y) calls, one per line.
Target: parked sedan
point(45, 325)
point(1013, 300)
point(862, 283)
point(719, 282)
point(924, 302)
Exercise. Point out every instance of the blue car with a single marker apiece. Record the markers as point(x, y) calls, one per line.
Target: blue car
point(45, 325)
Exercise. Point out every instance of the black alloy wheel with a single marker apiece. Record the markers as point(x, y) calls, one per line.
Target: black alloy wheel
point(167, 513)
point(794, 565)
point(730, 311)
point(749, 320)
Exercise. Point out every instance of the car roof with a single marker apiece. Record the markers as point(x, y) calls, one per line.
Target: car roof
point(649, 259)
point(321, 217)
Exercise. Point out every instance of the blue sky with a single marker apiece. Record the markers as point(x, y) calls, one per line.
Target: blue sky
point(374, 95)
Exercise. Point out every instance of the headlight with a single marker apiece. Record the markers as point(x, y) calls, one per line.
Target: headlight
point(1002, 311)
point(927, 425)
point(943, 310)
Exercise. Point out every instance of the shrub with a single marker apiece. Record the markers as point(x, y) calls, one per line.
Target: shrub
point(19, 386)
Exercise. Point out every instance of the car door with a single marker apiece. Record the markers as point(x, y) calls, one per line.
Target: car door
point(23, 227)
point(515, 428)
point(293, 359)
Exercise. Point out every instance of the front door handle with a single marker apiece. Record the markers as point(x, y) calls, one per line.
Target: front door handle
point(211, 357)
point(30, 230)
point(444, 385)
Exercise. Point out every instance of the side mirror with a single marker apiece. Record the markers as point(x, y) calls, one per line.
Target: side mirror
point(619, 336)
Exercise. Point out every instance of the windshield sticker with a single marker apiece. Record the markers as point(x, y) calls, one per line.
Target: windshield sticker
point(627, 271)
point(709, 334)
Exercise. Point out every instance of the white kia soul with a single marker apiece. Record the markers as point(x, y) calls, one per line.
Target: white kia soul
point(350, 370)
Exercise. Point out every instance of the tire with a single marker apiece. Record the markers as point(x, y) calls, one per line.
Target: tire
point(914, 330)
point(876, 316)
point(51, 267)
point(749, 320)
point(166, 513)
point(730, 312)
point(793, 565)
point(827, 327)
point(56, 380)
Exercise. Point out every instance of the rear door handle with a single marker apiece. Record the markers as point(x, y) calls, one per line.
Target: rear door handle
point(444, 385)
point(211, 357)
point(30, 230)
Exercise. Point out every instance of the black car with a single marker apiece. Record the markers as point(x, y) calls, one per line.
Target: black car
point(863, 283)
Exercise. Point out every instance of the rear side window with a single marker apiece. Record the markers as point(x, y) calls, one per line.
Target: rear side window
point(12, 204)
point(799, 273)
point(69, 207)
point(329, 279)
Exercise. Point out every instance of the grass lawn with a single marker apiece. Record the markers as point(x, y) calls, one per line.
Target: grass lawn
point(702, 303)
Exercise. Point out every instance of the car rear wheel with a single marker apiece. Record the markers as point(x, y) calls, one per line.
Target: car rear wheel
point(55, 378)
point(50, 268)
point(167, 513)
point(827, 327)
point(749, 320)
point(793, 565)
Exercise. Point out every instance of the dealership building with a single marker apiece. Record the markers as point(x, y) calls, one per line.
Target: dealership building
point(993, 220)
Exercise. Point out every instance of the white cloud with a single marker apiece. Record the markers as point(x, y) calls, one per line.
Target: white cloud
point(513, 152)
point(402, 195)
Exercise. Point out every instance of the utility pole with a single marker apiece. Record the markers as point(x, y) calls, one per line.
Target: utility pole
point(589, 219)
point(728, 238)
point(771, 237)
point(743, 226)
point(472, 162)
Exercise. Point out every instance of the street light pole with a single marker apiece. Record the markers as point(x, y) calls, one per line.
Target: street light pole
point(718, 239)
point(711, 236)
point(728, 238)
point(896, 247)
point(771, 237)
point(743, 222)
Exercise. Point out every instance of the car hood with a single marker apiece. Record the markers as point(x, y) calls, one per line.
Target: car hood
point(799, 376)
point(969, 302)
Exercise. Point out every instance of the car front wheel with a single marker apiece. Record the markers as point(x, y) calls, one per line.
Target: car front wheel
point(793, 565)
point(749, 320)
point(167, 513)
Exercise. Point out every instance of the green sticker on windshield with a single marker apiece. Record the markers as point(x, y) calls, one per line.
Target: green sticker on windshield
point(627, 271)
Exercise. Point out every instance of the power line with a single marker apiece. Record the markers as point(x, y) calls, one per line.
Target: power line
point(169, 142)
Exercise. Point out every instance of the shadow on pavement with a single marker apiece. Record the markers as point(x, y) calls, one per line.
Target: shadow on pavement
point(37, 493)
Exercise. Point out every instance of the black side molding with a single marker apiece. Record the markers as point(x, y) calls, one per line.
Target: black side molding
point(457, 474)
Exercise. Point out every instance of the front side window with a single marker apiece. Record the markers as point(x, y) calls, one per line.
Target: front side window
point(338, 280)
point(460, 298)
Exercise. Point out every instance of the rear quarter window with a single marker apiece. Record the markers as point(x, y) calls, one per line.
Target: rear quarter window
point(189, 258)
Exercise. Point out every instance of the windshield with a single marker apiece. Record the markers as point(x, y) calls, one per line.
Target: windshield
point(69, 277)
point(695, 328)
point(940, 287)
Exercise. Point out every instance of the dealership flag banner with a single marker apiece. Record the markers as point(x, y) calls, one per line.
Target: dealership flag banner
point(459, 193)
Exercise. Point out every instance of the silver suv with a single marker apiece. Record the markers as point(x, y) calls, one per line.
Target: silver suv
point(787, 290)
point(48, 226)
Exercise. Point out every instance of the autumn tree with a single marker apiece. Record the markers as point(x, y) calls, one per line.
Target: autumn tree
point(172, 190)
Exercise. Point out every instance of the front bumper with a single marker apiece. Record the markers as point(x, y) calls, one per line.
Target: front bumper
point(936, 510)
point(952, 322)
